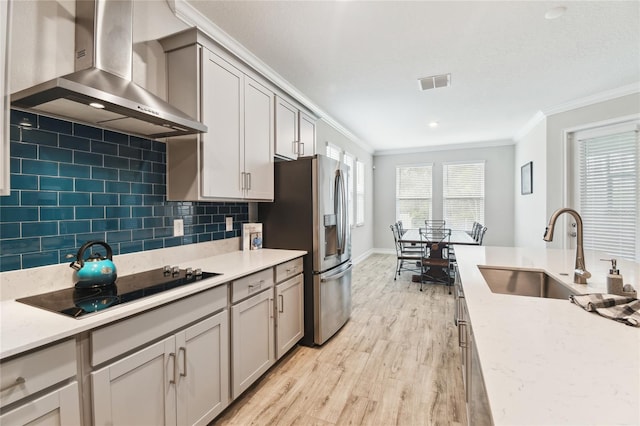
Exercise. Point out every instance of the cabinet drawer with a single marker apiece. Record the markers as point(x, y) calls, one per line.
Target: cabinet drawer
point(288, 269)
point(30, 373)
point(251, 284)
point(113, 340)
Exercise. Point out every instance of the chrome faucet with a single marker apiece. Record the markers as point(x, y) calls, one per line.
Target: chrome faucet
point(580, 273)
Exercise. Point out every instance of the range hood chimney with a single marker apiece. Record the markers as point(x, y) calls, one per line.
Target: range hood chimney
point(100, 91)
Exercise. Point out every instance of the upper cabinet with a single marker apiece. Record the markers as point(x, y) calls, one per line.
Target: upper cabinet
point(295, 131)
point(4, 100)
point(234, 159)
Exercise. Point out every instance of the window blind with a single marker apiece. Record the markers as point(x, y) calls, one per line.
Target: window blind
point(608, 192)
point(359, 193)
point(413, 195)
point(348, 160)
point(463, 194)
point(333, 151)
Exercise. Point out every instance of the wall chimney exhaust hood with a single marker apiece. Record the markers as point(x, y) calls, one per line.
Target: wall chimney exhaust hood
point(100, 91)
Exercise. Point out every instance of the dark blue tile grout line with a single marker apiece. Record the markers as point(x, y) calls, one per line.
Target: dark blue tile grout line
point(71, 183)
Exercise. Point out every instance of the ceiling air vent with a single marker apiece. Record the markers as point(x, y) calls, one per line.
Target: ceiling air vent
point(435, 81)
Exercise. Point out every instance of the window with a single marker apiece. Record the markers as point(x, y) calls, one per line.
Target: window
point(359, 193)
point(606, 189)
point(463, 194)
point(348, 160)
point(413, 195)
point(333, 151)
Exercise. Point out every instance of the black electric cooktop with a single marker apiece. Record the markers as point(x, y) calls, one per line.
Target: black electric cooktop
point(78, 302)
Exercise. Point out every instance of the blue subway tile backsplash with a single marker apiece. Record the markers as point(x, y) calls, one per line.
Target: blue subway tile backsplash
point(71, 183)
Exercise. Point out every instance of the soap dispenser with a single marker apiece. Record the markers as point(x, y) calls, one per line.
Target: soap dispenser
point(614, 279)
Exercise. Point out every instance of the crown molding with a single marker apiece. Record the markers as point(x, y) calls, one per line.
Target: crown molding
point(533, 122)
point(593, 99)
point(193, 18)
point(433, 148)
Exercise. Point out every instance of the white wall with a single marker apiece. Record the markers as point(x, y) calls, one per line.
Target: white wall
point(530, 210)
point(361, 236)
point(499, 189)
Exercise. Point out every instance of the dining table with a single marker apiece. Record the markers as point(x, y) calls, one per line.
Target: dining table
point(415, 236)
point(438, 261)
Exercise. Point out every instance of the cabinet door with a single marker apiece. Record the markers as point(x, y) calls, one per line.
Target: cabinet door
point(258, 140)
point(290, 308)
point(252, 340)
point(307, 129)
point(203, 370)
point(221, 147)
point(60, 407)
point(139, 389)
point(286, 129)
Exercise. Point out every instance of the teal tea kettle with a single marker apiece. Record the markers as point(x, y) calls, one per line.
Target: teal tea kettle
point(95, 271)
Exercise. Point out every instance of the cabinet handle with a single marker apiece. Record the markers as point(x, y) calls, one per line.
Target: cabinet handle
point(462, 324)
point(184, 361)
point(301, 144)
point(294, 147)
point(281, 297)
point(172, 355)
point(248, 181)
point(19, 381)
point(256, 286)
point(243, 180)
point(270, 307)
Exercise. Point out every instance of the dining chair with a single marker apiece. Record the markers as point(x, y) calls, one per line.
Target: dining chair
point(436, 264)
point(481, 235)
point(411, 257)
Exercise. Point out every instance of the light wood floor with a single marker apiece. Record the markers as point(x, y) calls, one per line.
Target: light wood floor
point(396, 362)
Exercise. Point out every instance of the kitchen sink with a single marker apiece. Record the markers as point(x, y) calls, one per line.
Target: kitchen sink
point(520, 282)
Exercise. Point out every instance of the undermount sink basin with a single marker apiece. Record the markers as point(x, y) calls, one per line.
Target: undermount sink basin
point(524, 283)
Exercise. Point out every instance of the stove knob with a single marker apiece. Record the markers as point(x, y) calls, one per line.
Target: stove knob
point(189, 272)
point(166, 269)
point(198, 272)
point(175, 270)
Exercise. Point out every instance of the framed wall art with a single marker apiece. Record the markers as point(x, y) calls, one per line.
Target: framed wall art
point(526, 178)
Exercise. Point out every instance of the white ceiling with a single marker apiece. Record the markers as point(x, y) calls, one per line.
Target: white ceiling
point(359, 61)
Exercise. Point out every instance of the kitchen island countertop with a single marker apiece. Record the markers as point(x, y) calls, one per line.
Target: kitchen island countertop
point(548, 361)
point(24, 327)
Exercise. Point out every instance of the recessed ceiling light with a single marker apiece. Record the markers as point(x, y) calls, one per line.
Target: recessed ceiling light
point(96, 105)
point(555, 12)
point(433, 124)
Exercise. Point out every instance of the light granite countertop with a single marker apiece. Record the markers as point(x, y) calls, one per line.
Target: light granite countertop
point(25, 327)
point(548, 361)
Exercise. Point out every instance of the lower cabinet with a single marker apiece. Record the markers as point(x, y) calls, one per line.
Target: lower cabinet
point(60, 407)
point(182, 379)
point(25, 378)
point(252, 339)
point(290, 314)
point(478, 409)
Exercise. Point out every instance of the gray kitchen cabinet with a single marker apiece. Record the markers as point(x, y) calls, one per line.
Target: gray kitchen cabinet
point(295, 131)
point(234, 159)
point(5, 188)
point(24, 377)
point(289, 292)
point(183, 378)
point(252, 329)
point(478, 409)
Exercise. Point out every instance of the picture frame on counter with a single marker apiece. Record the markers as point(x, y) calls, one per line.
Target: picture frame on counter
point(251, 236)
point(526, 178)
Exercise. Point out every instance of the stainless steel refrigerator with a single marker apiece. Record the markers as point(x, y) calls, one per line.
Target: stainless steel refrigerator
point(309, 213)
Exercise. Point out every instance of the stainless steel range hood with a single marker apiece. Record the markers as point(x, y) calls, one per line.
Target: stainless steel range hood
point(100, 91)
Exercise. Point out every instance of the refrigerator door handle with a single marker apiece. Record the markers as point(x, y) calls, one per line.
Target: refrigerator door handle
point(338, 275)
point(340, 210)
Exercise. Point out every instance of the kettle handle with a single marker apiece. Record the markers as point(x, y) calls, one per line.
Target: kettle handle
point(80, 257)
